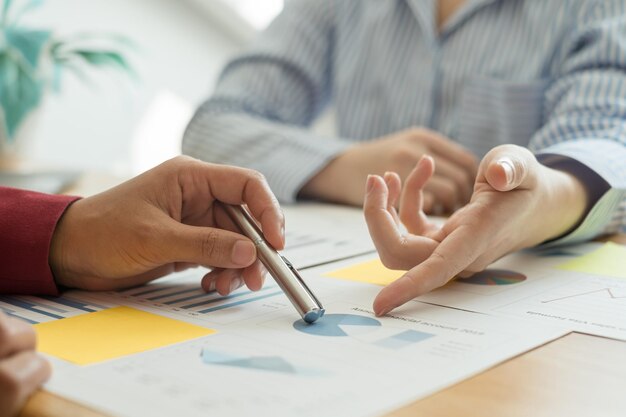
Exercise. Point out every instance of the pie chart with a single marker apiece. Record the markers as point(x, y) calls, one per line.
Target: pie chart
point(338, 325)
point(494, 277)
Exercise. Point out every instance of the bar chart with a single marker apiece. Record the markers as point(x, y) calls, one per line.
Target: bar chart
point(35, 310)
point(189, 299)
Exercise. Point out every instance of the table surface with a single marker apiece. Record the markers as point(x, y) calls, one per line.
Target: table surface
point(576, 375)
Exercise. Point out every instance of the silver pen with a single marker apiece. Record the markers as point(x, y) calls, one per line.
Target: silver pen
point(278, 266)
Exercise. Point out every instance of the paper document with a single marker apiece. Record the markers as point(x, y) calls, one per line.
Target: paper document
point(319, 233)
point(264, 361)
point(577, 287)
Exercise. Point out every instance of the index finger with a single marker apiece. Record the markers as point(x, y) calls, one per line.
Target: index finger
point(234, 185)
point(452, 256)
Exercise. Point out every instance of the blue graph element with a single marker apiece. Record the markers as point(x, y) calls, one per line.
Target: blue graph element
point(28, 306)
point(215, 299)
point(256, 363)
point(406, 338)
point(237, 303)
point(72, 303)
point(170, 294)
point(334, 324)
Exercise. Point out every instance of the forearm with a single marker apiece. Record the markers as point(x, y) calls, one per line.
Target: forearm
point(562, 207)
point(288, 156)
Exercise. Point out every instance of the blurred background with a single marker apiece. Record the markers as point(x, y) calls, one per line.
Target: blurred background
point(124, 126)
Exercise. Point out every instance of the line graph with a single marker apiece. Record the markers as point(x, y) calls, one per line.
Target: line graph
point(591, 304)
point(609, 291)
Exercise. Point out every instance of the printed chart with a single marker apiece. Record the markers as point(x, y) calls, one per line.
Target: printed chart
point(493, 277)
point(188, 299)
point(36, 310)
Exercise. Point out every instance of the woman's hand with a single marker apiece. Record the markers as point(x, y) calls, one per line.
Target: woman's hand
point(22, 370)
point(516, 203)
point(165, 220)
point(449, 188)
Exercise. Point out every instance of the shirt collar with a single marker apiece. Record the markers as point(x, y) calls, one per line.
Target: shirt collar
point(425, 13)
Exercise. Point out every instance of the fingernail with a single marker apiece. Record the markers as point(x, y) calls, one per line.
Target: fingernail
point(383, 311)
point(243, 252)
point(235, 283)
point(282, 232)
point(509, 171)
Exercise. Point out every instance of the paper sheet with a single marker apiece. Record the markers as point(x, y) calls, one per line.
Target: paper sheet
point(110, 334)
point(265, 361)
point(585, 296)
point(321, 233)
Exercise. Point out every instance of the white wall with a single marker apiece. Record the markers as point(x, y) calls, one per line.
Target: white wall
point(90, 128)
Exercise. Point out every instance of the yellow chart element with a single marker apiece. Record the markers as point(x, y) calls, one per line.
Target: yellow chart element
point(112, 333)
point(371, 272)
point(609, 260)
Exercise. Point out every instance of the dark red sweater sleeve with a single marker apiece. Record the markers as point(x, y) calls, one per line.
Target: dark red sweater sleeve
point(27, 221)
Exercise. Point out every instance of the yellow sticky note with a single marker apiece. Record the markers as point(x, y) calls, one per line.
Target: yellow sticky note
point(372, 272)
point(111, 333)
point(609, 260)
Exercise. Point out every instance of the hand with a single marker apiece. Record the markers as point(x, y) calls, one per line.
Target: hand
point(22, 370)
point(166, 220)
point(517, 203)
point(449, 188)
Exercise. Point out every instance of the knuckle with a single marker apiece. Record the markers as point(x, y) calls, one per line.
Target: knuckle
point(391, 256)
point(256, 176)
point(180, 162)
point(403, 155)
point(390, 261)
point(210, 246)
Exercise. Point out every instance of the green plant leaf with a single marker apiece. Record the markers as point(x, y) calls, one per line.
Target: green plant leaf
point(110, 59)
point(5, 10)
point(20, 92)
point(29, 42)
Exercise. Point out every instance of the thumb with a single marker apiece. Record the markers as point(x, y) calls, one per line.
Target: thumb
point(208, 246)
point(509, 167)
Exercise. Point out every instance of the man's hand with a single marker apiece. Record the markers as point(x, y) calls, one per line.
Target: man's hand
point(517, 203)
point(449, 188)
point(165, 220)
point(22, 370)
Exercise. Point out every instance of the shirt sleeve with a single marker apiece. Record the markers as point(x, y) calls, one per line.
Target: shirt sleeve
point(265, 99)
point(27, 222)
point(585, 117)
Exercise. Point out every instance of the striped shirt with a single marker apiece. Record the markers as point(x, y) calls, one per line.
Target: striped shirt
point(549, 75)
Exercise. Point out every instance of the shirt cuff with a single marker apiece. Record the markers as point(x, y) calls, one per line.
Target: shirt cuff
point(599, 165)
point(288, 169)
point(27, 223)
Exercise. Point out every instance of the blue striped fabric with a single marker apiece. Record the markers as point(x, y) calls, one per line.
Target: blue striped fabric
point(549, 75)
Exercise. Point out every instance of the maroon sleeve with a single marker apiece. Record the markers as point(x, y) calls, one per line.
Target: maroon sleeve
point(27, 221)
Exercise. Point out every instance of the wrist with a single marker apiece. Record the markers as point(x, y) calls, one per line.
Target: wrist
point(336, 182)
point(567, 198)
point(59, 257)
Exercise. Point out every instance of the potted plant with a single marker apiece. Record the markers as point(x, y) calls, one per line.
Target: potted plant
point(33, 61)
